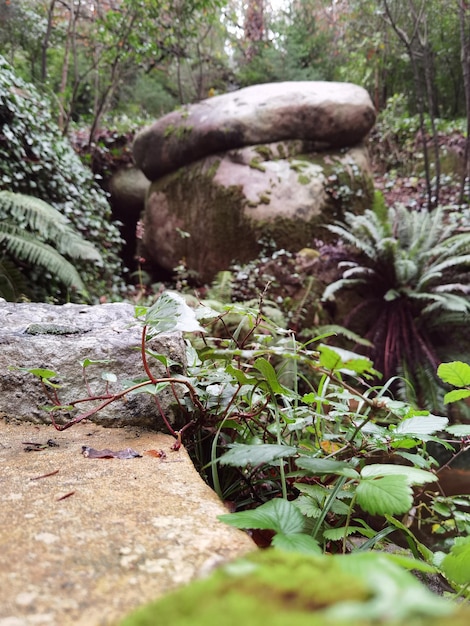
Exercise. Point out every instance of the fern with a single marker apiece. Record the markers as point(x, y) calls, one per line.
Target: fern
point(34, 233)
point(410, 271)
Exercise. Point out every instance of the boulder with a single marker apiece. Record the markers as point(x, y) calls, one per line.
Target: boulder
point(332, 115)
point(127, 189)
point(59, 338)
point(283, 192)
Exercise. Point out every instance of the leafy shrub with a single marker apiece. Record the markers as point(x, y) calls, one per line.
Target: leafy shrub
point(408, 271)
point(35, 159)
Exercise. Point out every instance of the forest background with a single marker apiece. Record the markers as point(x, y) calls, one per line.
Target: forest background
point(90, 73)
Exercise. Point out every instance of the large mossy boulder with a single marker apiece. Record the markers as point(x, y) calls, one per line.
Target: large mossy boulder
point(274, 162)
point(229, 203)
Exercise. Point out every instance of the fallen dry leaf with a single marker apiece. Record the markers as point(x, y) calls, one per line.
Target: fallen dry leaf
point(91, 453)
point(160, 454)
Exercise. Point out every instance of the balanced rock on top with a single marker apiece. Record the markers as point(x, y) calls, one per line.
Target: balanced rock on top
point(333, 115)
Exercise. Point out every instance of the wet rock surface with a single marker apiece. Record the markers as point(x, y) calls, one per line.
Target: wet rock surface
point(85, 540)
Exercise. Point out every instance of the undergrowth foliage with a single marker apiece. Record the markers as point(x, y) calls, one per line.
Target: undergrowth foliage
point(35, 159)
point(335, 467)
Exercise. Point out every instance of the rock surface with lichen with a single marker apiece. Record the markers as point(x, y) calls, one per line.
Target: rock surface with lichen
point(60, 338)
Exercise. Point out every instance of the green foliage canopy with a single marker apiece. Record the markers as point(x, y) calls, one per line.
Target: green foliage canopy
point(35, 159)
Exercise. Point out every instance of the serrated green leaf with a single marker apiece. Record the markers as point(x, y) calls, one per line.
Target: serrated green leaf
point(412, 475)
point(278, 515)
point(333, 358)
point(336, 534)
point(308, 506)
point(455, 395)
point(456, 373)
point(385, 495)
point(459, 430)
point(456, 565)
point(242, 454)
point(416, 459)
point(405, 442)
point(326, 466)
point(329, 359)
point(296, 542)
point(422, 425)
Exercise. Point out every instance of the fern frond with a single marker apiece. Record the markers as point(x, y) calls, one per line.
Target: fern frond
point(33, 214)
point(25, 247)
point(338, 285)
point(435, 271)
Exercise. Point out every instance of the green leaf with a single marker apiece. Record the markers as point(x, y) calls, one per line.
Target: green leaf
point(416, 459)
point(385, 495)
point(455, 373)
point(296, 542)
point(455, 395)
point(240, 376)
point(278, 515)
point(267, 370)
point(412, 475)
point(150, 388)
point(86, 362)
point(329, 359)
point(456, 565)
point(333, 358)
point(422, 425)
point(326, 466)
point(459, 430)
point(308, 506)
point(336, 534)
point(242, 454)
point(43, 374)
point(170, 313)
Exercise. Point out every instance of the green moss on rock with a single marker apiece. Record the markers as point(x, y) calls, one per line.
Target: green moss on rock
point(281, 588)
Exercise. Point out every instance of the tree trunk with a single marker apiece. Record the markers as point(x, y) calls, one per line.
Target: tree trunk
point(254, 27)
point(45, 42)
point(464, 17)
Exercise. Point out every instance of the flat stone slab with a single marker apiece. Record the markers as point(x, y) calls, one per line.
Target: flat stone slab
point(333, 115)
point(83, 540)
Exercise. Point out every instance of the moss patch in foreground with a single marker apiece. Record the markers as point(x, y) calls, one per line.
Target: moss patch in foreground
point(278, 588)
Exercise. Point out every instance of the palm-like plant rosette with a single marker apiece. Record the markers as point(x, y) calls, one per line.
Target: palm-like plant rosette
point(409, 269)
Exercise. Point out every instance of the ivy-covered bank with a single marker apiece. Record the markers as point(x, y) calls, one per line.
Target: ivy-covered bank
point(37, 160)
